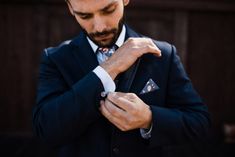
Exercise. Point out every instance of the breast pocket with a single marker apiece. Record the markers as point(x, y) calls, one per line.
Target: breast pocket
point(151, 98)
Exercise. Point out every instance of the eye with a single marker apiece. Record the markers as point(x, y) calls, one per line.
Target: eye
point(109, 11)
point(85, 16)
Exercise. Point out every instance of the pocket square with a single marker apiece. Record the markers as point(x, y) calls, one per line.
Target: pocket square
point(149, 87)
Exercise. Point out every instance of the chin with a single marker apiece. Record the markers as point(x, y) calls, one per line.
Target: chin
point(105, 43)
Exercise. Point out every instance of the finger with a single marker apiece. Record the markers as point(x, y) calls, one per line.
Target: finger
point(115, 110)
point(129, 96)
point(152, 48)
point(120, 100)
point(117, 122)
point(104, 111)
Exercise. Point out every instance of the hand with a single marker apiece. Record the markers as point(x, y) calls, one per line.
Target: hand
point(128, 53)
point(126, 111)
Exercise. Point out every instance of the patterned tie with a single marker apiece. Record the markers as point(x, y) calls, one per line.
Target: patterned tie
point(104, 53)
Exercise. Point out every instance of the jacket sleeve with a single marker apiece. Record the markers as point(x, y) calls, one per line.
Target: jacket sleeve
point(64, 113)
point(184, 117)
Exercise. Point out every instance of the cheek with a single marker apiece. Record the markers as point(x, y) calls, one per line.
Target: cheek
point(116, 18)
point(85, 25)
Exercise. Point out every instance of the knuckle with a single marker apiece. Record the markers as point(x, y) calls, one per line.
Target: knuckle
point(133, 95)
point(134, 53)
point(149, 41)
point(148, 47)
point(137, 53)
point(118, 100)
point(113, 111)
point(125, 128)
point(131, 104)
point(133, 111)
point(131, 108)
point(122, 129)
point(129, 121)
point(109, 97)
point(131, 39)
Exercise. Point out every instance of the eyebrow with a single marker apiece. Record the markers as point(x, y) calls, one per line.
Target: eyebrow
point(103, 9)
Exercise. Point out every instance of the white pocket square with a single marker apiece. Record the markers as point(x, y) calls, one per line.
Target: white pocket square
point(149, 87)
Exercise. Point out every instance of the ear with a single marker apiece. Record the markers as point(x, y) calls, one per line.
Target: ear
point(126, 2)
point(70, 7)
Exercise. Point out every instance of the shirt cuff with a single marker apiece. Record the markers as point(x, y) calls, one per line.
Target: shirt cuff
point(146, 133)
point(107, 81)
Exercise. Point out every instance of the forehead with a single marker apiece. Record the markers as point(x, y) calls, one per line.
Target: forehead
point(90, 5)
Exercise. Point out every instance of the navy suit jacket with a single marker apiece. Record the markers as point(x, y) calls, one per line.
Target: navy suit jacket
point(67, 117)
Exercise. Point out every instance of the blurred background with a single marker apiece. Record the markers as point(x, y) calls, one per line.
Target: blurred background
point(202, 30)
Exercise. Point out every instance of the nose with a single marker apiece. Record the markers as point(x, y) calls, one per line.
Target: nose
point(99, 24)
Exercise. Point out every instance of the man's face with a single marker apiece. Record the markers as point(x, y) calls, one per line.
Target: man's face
point(101, 20)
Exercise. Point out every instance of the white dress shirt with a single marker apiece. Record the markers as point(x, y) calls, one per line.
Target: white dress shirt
point(107, 81)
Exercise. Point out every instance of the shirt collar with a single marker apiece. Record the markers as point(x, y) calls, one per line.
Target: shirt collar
point(119, 41)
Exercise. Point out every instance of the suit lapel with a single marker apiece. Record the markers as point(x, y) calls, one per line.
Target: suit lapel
point(126, 78)
point(86, 58)
point(84, 54)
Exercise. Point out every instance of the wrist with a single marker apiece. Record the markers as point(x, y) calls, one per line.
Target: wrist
point(111, 70)
point(148, 120)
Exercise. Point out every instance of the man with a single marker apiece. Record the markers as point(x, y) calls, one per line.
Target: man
point(130, 103)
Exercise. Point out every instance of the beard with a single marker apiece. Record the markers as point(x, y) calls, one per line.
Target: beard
point(115, 32)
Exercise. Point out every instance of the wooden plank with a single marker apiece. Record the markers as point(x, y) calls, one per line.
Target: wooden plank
point(190, 5)
point(211, 59)
point(193, 5)
point(4, 110)
point(181, 35)
point(17, 74)
point(156, 24)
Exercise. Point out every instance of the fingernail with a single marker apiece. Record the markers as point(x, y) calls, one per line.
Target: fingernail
point(101, 102)
point(160, 54)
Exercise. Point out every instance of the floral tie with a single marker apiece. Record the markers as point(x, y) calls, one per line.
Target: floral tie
point(104, 53)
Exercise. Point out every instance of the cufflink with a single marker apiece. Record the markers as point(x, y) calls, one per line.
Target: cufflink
point(104, 94)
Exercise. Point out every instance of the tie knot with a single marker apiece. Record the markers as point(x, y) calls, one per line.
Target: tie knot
point(107, 51)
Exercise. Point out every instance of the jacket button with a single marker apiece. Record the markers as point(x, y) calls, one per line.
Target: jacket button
point(116, 150)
